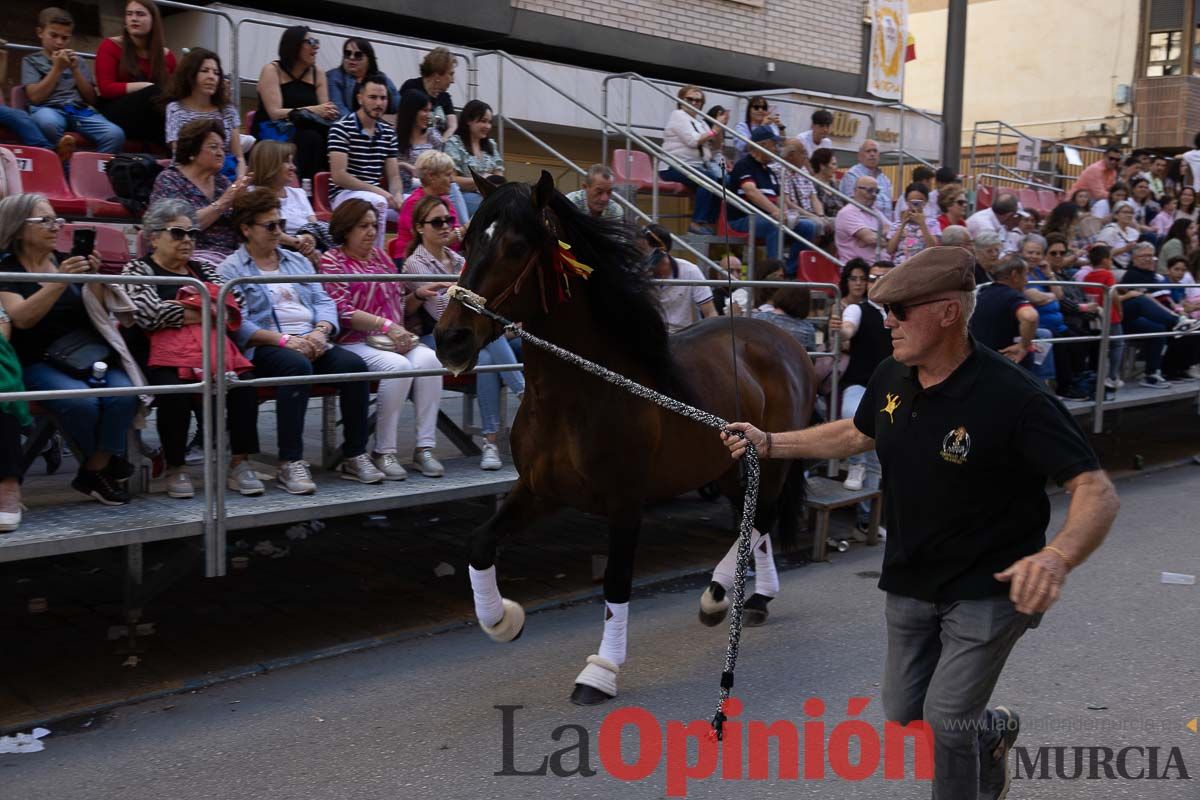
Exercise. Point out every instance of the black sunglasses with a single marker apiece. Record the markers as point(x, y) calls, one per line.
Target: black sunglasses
point(696, 101)
point(178, 234)
point(438, 222)
point(1056, 252)
point(759, 107)
point(900, 310)
point(353, 55)
point(273, 225)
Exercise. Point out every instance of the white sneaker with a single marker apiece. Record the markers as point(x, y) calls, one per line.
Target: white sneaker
point(491, 457)
point(359, 468)
point(10, 521)
point(243, 480)
point(430, 467)
point(295, 478)
point(389, 465)
point(179, 486)
point(855, 477)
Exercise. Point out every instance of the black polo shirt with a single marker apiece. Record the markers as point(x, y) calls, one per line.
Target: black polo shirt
point(749, 169)
point(965, 465)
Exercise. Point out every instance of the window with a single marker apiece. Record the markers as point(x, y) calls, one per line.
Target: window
point(1163, 55)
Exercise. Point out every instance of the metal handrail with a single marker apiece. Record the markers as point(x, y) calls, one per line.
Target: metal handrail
point(1035, 184)
point(696, 176)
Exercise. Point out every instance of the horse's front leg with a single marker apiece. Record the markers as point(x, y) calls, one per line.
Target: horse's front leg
point(501, 619)
point(598, 680)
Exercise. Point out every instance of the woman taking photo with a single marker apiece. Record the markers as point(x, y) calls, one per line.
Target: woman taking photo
point(294, 84)
point(688, 138)
point(372, 321)
point(273, 169)
point(915, 231)
point(286, 330)
point(196, 178)
point(171, 231)
point(51, 318)
point(429, 254)
point(471, 149)
point(132, 70)
point(758, 112)
point(198, 91)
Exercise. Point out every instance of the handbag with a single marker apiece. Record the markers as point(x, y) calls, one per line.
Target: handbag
point(381, 341)
point(276, 130)
point(74, 353)
point(303, 118)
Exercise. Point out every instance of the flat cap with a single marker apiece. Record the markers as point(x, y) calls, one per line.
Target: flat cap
point(933, 270)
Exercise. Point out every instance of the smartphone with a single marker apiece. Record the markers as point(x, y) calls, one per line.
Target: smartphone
point(83, 241)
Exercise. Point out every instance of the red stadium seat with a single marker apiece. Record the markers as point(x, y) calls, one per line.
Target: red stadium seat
point(983, 196)
point(816, 268)
point(41, 171)
point(641, 173)
point(90, 181)
point(726, 232)
point(111, 245)
point(320, 198)
point(1029, 199)
point(1048, 200)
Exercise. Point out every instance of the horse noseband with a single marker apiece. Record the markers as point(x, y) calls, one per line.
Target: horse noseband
point(470, 299)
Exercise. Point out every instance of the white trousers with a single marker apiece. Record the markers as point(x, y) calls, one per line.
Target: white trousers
point(427, 393)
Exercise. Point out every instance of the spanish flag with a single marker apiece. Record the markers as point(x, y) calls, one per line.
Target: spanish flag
point(910, 49)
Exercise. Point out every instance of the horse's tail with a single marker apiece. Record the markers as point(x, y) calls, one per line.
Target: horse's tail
point(791, 505)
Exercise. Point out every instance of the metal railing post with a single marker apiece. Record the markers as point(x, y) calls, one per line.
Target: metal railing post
point(500, 103)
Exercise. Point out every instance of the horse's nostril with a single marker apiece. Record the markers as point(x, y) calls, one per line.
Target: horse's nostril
point(452, 338)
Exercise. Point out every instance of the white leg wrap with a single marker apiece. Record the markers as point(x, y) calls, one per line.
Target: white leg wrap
point(601, 674)
point(510, 623)
point(766, 579)
point(616, 619)
point(723, 574)
point(488, 605)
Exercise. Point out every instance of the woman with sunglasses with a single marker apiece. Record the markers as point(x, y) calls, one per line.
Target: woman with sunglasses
point(45, 314)
point(952, 202)
point(758, 112)
point(372, 319)
point(689, 139)
point(286, 330)
point(196, 178)
point(293, 83)
point(199, 91)
point(429, 253)
point(170, 225)
point(358, 61)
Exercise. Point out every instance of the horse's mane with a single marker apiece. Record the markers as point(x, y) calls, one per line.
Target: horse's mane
point(618, 289)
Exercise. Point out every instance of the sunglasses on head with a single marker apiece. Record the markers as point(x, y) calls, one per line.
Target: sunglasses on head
point(273, 226)
point(437, 222)
point(353, 55)
point(900, 310)
point(178, 234)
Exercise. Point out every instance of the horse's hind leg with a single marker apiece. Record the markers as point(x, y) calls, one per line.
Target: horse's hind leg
point(501, 619)
point(714, 602)
point(598, 680)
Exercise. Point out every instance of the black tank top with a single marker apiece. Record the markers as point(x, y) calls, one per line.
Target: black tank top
point(872, 343)
point(296, 93)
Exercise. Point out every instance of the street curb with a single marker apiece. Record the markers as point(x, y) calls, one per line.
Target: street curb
point(374, 642)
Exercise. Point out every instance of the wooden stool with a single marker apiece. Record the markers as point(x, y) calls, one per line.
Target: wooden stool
point(825, 495)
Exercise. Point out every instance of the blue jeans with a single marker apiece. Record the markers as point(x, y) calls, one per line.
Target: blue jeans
point(1143, 315)
point(94, 424)
point(500, 350)
point(851, 397)
point(707, 206)
point(21, 124)
point(805, 228)
point(474, 200)
point(460, 204)
point(54, 122)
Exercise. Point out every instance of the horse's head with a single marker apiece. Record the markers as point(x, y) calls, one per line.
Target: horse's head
point(509, 245)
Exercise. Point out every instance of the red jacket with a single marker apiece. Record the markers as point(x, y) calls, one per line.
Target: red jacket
point(182, 347)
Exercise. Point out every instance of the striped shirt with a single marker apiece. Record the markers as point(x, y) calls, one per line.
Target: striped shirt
point(179, 115)
point(365, 154)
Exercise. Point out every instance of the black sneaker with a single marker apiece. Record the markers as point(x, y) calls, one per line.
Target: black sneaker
point(100, 486)
point(995, 776)
point(118, 469)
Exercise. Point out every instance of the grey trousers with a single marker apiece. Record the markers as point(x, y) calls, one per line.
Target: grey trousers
point(943, 660)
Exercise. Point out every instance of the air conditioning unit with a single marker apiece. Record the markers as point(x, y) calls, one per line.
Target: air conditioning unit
point(1095, 128)
point(1122, 94)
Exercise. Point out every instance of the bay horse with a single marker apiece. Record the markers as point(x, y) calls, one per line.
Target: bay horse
point(581, 442)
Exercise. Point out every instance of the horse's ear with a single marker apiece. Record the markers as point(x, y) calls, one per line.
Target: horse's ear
point(543, 191)
point(482, 184)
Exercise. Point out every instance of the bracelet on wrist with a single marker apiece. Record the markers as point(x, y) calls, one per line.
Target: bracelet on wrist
point(385, 324)
point(283, 340)
point(1060, 554)
point(770, 444)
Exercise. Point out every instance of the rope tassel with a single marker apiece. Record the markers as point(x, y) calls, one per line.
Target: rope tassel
point(478, 304)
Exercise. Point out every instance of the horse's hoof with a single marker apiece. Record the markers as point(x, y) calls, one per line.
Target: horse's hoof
point(511, 625)
point(714, 605)
point(588, 696)
point(755, 611)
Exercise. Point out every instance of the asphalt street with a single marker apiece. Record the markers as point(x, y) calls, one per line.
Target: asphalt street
point(1114, 664)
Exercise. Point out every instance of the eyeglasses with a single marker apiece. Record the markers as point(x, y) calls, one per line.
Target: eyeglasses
point(900, 310)
point(869, 190)
point(1056, 252)
point(437, 222)
point(47, 222)
point(696, 101)
point(273, 226)
point(353, 55)
point(312, 41)
point(178, 234)
point(960, 202)
point(872, 278)
point(759, 107)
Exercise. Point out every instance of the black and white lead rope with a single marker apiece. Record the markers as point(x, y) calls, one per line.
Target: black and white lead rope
point(477, 303)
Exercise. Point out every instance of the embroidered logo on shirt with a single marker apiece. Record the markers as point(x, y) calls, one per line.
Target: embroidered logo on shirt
point(956, 445)
point(893, 402)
